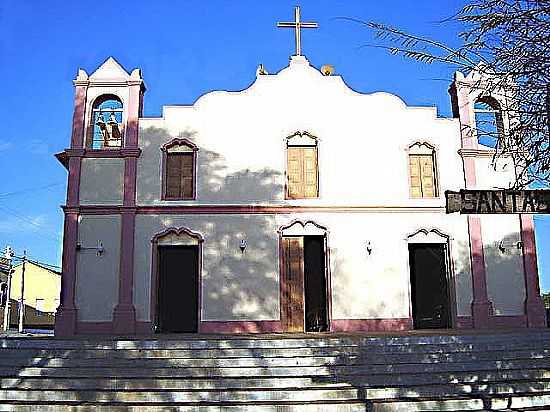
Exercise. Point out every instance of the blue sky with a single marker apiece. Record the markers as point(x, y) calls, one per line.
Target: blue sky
point(184, 48)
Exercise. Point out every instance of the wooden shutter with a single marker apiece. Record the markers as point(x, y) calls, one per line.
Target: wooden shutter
point(427, 173)
point(294, 171)
point(187, 177)
point(422, 178)
point(292, 305)
point(179, 176)
point(302, 172)
point(310, 172)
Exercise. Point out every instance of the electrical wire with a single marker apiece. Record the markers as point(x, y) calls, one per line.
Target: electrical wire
point(30, 189)
point(31, 222)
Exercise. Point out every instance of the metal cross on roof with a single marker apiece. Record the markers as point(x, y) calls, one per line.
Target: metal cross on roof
point(298, 25)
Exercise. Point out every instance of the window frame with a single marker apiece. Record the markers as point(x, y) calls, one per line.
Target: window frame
point(303, 140)
point(165, 150)
point(422, 148)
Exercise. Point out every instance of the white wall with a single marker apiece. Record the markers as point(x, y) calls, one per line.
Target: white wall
point(101, 181)
point(241, 138)
point(505, 275)
point(239, 286)
point(97, 277)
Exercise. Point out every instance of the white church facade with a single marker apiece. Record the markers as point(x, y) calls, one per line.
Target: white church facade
point(253, 212)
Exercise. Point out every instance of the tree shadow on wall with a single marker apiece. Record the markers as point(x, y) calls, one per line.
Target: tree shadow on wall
point(509, 372)
point(236, 284)
point(215, 181)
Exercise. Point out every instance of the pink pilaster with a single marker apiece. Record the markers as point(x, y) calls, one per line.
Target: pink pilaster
point(66, 316)
point(481, 306)
point(534, 306)
point(124, 315)
point(65, 319)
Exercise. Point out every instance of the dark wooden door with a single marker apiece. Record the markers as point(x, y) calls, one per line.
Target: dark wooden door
point(429, 286)
point(315, 284)
point(178, 293)
point(292, 301)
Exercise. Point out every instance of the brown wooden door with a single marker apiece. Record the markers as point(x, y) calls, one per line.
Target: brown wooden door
point(292, 302)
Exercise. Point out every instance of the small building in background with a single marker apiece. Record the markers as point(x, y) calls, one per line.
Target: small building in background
point(41, 295)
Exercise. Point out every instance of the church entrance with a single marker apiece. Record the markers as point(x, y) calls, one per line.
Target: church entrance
point(304, 284)
point(431, 307)
point(178, 288)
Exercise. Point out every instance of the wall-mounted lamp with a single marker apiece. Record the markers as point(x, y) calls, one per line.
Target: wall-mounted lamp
point(369, 248)
point(503, 246)
point(99, 248)
point(243, 245)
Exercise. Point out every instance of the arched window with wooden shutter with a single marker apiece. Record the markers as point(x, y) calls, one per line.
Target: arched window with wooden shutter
point(302, 169)
point(179, 170)
point(422, 171)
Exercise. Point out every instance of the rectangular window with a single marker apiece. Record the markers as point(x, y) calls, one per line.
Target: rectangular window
point(302, 172)
point(180, 176)
point(422, 173)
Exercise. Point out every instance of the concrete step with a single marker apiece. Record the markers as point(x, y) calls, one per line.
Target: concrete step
point(501, 403)
point(251, 387)
point(278, 407)
point(363, 357)
point(372, 381)
point(317, 340)
point(266, 370)
point(409, 395)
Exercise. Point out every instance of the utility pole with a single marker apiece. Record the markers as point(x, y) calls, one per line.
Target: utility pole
point(8, 254)
point(22, 299)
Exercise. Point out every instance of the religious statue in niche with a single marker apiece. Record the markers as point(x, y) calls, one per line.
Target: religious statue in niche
point(107, 123)
point(110, 130)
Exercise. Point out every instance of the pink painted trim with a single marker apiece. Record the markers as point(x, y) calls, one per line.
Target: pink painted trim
point(481, 307)
point(469, 171)
point(257, 326)
point(464, 322)
point(124, 316)
point(130, 172)
point(133, 109)
point(73, 184)
point(247, 209)
point(108, 328)
point(371, 325)
point(65, 321)
point(77, 138)
point(534, 306)
point(164, 159)
point(519, 321)
point(155, 270)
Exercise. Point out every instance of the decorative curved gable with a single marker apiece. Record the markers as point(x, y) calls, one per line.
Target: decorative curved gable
point(179, 145)
point(299, 228)
point(177, 236)
point(301, 139)
point(428, 236)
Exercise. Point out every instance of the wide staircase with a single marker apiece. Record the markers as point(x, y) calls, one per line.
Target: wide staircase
point(451, 372)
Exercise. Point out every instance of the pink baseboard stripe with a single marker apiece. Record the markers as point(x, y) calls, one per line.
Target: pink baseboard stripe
point(519, 321)
point(258, 326)
point(464, 322)
point(370, 325)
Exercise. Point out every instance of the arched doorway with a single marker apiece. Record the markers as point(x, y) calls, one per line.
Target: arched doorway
point(176, 284)
point(304, 278)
